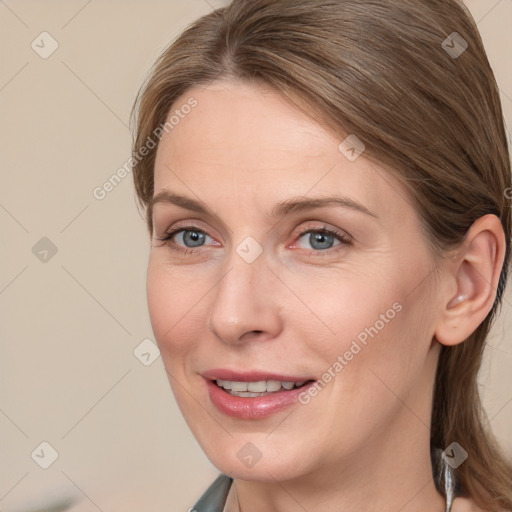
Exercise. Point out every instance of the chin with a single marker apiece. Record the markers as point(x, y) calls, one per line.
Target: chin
point(256, 458)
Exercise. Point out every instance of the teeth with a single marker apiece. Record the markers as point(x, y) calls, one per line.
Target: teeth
point(273, 385)
point(224, 384)
point(259, 388)
point(239, 386)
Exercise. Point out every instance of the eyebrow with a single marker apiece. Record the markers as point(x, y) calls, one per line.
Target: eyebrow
point(293, 205)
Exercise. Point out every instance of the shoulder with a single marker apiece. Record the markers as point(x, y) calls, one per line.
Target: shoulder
point(461, 504)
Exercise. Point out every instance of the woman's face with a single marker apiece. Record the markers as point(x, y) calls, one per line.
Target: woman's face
point(263, 284)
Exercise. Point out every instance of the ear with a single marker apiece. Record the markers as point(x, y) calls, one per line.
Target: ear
point(474, 274)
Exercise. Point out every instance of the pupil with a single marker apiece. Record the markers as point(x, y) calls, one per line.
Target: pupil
point(194, 237)
point(319, 238)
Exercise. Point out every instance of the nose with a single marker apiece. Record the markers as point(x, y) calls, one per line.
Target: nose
point(245, 305)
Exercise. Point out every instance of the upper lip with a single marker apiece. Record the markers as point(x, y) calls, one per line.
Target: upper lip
point(251, 376)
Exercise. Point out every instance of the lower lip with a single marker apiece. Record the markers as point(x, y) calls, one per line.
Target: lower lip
point(248, 408)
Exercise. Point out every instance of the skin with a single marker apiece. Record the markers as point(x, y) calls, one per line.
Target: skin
point(363, 442)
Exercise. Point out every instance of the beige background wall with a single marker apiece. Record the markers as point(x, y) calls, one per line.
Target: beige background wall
point(70, 323)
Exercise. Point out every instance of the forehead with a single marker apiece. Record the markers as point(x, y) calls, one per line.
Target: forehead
point(248, 141)
point(245, 120)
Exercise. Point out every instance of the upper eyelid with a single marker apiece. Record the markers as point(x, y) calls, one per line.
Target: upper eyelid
point(337, 232)
point(179, 229)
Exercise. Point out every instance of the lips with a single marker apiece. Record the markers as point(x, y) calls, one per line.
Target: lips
point(255, 394)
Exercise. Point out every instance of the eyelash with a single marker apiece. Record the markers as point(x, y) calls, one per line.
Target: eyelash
point(342, 237)
point(167, 238)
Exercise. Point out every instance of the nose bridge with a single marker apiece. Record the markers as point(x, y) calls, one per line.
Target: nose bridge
point(243, 301)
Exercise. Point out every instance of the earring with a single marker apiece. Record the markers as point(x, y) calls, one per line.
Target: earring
point(456, 301)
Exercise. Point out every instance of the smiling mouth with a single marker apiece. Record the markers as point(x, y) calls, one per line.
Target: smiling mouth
point(258, 388)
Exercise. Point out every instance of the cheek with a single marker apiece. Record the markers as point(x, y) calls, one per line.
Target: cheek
point(365, 323)
point(348, 307)
point(174, 300)
point(173, 305)
point(161, 301)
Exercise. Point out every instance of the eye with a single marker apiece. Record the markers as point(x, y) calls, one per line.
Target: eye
point(322, 239)
point(185, 238)
point(191, 238)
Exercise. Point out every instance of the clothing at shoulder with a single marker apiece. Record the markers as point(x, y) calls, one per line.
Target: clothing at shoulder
point(214, 498)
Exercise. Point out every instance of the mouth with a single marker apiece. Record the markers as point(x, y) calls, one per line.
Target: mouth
point(254, 395)
point(253, 389)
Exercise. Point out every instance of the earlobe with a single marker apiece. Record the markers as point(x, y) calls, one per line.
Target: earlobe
point(476, 275)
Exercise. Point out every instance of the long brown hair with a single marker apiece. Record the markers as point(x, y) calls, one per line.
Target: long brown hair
point(426, 107)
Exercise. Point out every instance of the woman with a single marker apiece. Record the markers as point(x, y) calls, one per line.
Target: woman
point(325, 184)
